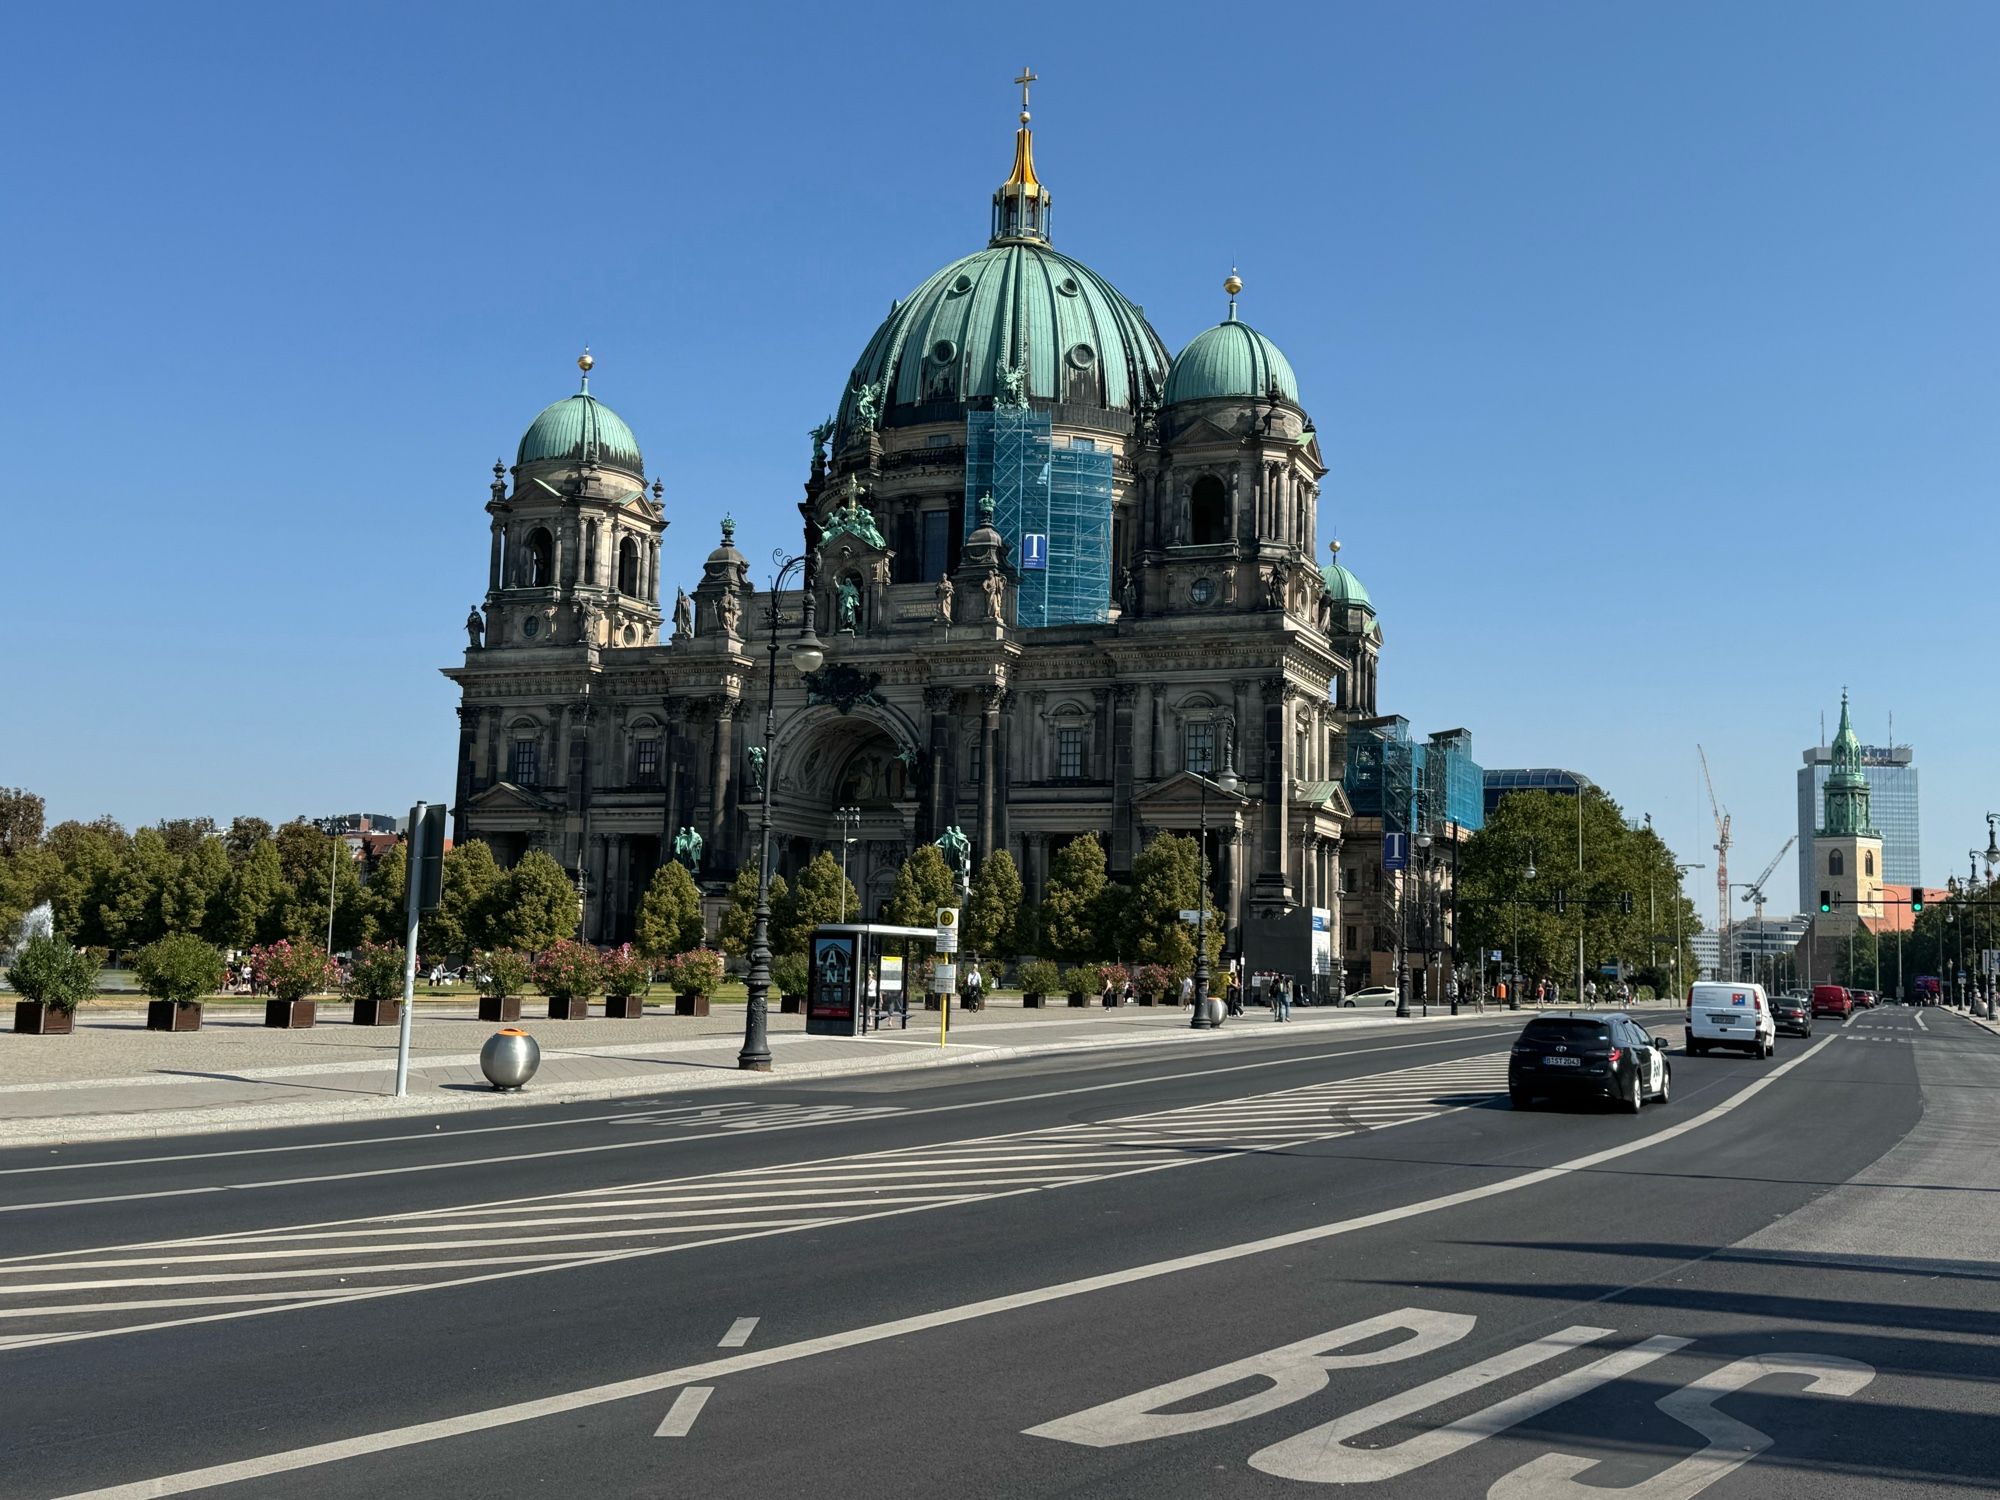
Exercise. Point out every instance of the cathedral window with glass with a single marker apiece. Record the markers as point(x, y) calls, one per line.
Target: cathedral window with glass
point(646, 762)
point(1198, 747)
point(1069, 754)
point(524, 763)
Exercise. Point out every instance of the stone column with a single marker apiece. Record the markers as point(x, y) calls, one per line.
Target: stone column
point(1121, 776)
point(721, 761)
point(938, 701)
point(1001, 770)
point(1274, 876)
point(989, 768)
point(493, 567)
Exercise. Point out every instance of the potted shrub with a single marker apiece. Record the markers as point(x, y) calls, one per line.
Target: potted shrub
point(789, 974)
point(1155, 983)
point(624, 975)
point(568, 973)
point(52, 978)
point(176, 971)
point(694, 976)
point(501, 976)
point(375, 984)
point(1038, 980)
point(1079, 983)
point(1117, 976)
point(289, 973)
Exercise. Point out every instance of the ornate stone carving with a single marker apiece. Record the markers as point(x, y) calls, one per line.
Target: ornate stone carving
point(842, 687)
point(938, 699)
point(475, 629)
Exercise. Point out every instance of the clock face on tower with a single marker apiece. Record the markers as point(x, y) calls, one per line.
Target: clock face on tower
point(1202, 590)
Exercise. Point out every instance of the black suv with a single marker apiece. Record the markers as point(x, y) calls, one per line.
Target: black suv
point(1793, 1014)
point(1589, 1057)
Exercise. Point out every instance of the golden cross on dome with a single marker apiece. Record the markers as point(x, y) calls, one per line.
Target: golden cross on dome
point(1027, 77)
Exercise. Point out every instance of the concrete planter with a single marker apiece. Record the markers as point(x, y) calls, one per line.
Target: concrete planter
point(1031, 1001)
point(571, 1008)
point(165, 1015)
point(689, 1004)
point(496, 1008)
point(1147, 1000)
point(791, 1005)
point(32, 1018)
point(1076, 1000)
point(624, 1007)
point(377, 1012)
point(290, 1015)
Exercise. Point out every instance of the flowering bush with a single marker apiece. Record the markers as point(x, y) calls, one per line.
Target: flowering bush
point(695, 972)
point(1115, 975)
point(1153, 981)
point(623, 972)
point(376, 973)
point(286, 970)
point(568, 970)
point(500, 973)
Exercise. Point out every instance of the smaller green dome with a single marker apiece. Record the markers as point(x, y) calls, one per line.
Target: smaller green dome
point(1344, 588)
point(581, 427)
point(1229, 360)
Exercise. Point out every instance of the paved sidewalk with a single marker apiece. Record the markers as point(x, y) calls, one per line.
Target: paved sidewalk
point(114, 1079)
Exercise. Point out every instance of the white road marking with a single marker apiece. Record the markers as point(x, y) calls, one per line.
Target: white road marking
point(293, 1460)
point(1324, 1455)
point(1920, 1022)
point(1731, 1444)
point(738, 1335)
point(648, 1144)
point(687, 1406)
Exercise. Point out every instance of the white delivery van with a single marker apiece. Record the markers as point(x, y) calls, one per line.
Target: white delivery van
point(1730, 1015)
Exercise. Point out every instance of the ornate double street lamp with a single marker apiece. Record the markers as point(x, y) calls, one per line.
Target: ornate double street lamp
point(850, 819)
point(806, 654)
point(1426, 936)
point(1227, 781)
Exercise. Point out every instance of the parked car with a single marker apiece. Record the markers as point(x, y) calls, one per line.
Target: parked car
point(1591, 1057)
point(1865, 999)
point(1792, 1014)
point(1831, 1000)
point(1729, 1015)
point(1375, 994)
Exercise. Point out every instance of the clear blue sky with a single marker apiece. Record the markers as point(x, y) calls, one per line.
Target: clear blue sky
point(1652, 346)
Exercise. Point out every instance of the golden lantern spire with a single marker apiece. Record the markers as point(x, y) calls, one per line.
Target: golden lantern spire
point(1021, 204)
point(585, 363)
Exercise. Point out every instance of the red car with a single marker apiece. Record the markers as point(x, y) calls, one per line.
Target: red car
point(1832, 1000)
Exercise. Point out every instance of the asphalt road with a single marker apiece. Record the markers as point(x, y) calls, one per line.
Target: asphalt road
point(1267, 1265)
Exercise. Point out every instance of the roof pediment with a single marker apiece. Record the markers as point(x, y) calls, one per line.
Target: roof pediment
point(1183, 789)
point(505, 796)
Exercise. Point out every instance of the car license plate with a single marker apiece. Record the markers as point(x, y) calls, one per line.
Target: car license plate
point(1562, 1062)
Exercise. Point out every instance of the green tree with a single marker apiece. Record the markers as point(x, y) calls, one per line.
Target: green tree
point(993, 916)
point(132, 911)
point(22, 813)
point(244, 835)
point(90, 855)
point(184, 835)
point(27, 878)
point(733, 932)
point(923, 884)
point(1075, 901)
point(193, 900)
point(1166, 881)
point(822, 894)
point(539, 906)
point(385, 897)
point(308, 858)
point(670, 919)
point(469, 890)
point(253, 900)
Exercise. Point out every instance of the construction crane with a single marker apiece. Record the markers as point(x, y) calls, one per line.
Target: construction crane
point(1756, 891)
point(1721, 869)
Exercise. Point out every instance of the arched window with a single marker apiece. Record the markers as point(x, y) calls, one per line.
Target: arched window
point(1834, 864)
point(541, 558)
point(628, 567)
point(1869, 859)
point(1208, 511)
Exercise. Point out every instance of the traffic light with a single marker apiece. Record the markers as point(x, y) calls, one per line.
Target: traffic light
point(1625, 904)
point(1562, 900)
point(1826, 901)
point(1916, 899)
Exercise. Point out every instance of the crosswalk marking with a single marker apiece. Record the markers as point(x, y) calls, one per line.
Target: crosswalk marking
point(68, 1295)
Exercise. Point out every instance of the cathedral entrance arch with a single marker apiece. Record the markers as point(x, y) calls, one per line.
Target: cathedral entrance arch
point(825, 761)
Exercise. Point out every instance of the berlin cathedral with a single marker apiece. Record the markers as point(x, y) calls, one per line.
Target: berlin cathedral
point(1065, 581)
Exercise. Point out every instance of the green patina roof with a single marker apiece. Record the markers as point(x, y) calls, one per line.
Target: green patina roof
point(1229, 360)
point(581, 427)
point(1010, 304)
point(1344, 587)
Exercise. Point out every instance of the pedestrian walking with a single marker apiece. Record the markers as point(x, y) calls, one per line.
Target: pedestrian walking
point(975, 988)
point(1281, 1000)
point(874, 1000)
point(1187, 990)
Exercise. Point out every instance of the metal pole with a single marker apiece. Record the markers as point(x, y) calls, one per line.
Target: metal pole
point(1580, 908)
point(332, 874)
point(1200, 1020)
point(756, 1054)
point(413, 889)
point(1451, 949)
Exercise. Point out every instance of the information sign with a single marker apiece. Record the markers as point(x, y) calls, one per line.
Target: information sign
point(892, 974)
point(947, 929)
point(1395, 851)
point(1034, 551)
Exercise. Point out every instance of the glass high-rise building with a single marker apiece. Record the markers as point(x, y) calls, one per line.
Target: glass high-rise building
point(1892, 804)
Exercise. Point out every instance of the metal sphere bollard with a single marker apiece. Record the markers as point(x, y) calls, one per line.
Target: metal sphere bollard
point(509, 1058)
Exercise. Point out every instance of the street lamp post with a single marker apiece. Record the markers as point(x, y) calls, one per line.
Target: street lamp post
point(1514, 995)
point(1227, 782)
point(806, 655)
point(850, 819)
point(1679, 901)
point(1424, 932)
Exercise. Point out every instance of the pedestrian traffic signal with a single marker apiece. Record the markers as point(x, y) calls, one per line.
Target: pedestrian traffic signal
point(1916, 899)
point(1825, 901)
point(1562, 900)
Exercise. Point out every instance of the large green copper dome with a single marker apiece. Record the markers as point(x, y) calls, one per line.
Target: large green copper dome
point(1015, 303)
point(577, 428)
point(1231, 360)
point(1344, 588)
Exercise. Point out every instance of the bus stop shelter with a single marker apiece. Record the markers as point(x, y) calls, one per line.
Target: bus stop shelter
point(841, 956)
